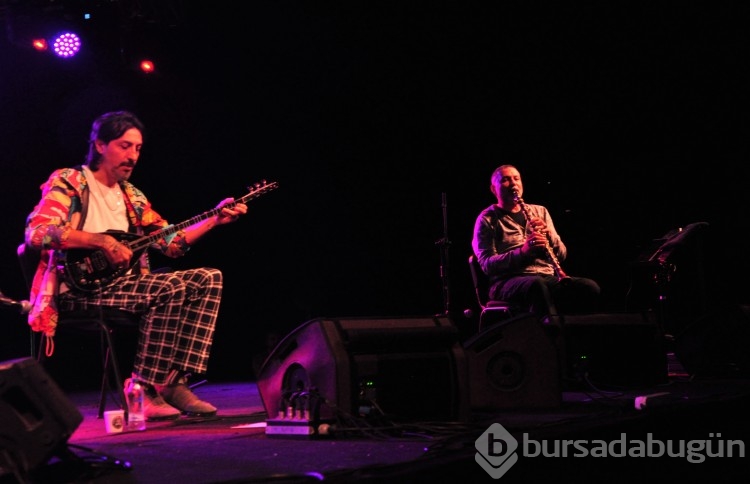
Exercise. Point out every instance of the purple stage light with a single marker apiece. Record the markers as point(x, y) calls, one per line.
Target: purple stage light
point(66, 45)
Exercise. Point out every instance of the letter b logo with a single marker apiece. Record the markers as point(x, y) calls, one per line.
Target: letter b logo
point(496, 450)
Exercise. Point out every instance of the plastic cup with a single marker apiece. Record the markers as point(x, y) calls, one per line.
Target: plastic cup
point(114, 421)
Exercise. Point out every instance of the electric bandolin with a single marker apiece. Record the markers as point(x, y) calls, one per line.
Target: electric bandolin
point(89, 270)
point(559, 272)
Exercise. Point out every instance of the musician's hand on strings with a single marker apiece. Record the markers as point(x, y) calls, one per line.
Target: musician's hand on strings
point(118, 254)
point(229, 212)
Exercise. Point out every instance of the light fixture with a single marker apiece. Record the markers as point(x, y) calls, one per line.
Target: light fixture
point(66, 45)
point(40, 44)
point(147, 66)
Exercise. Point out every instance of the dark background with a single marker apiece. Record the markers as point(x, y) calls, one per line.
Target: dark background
point(626, 120)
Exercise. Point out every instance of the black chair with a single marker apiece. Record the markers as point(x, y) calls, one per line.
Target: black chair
point(492, 311)
point(102, 319)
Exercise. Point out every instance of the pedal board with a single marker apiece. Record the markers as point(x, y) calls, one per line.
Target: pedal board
point(291, 425)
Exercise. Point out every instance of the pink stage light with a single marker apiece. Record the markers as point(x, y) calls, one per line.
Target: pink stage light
point(66, 45)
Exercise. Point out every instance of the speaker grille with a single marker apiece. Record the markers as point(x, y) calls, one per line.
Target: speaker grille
point(514, 364)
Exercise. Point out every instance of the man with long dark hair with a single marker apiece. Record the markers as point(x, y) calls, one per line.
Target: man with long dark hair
point(178, 309)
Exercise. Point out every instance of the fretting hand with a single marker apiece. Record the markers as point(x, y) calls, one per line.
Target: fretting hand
point(228, 212)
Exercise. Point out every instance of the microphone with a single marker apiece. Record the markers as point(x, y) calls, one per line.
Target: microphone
point(23, 306)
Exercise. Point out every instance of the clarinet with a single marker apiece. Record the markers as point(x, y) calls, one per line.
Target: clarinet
point(559, 272)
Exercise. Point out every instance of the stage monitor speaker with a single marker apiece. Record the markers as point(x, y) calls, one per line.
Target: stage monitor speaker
point(618, 349)
point(514, 364)
point(405, 369)
point(36, 418)
point(716, 344)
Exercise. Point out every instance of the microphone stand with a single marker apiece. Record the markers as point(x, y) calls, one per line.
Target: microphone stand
point(444, 244)
point(23, 306)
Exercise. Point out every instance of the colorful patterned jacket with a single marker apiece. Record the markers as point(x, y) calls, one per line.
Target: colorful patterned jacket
point(62, 208)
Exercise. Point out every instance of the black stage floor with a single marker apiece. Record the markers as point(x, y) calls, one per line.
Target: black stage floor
point(233, 447)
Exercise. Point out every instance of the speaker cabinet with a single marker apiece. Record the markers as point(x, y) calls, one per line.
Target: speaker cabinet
point(514, 364)
point(716, 344)
point(36, 418)
point(410, 369)
point(619, 349)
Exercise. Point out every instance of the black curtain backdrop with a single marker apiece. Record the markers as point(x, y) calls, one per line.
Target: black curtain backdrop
point(626, 122)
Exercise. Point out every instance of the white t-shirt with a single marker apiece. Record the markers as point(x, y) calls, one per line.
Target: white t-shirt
point(106, 206)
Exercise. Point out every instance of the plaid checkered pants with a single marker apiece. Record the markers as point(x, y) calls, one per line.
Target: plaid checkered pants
point(178, 317)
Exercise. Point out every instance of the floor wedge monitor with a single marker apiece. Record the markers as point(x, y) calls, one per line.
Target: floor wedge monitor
point(36, 418)
point(397, 369)
point(514, 364)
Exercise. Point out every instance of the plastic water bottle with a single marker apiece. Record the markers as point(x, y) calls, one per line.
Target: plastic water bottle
point(134, 394)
